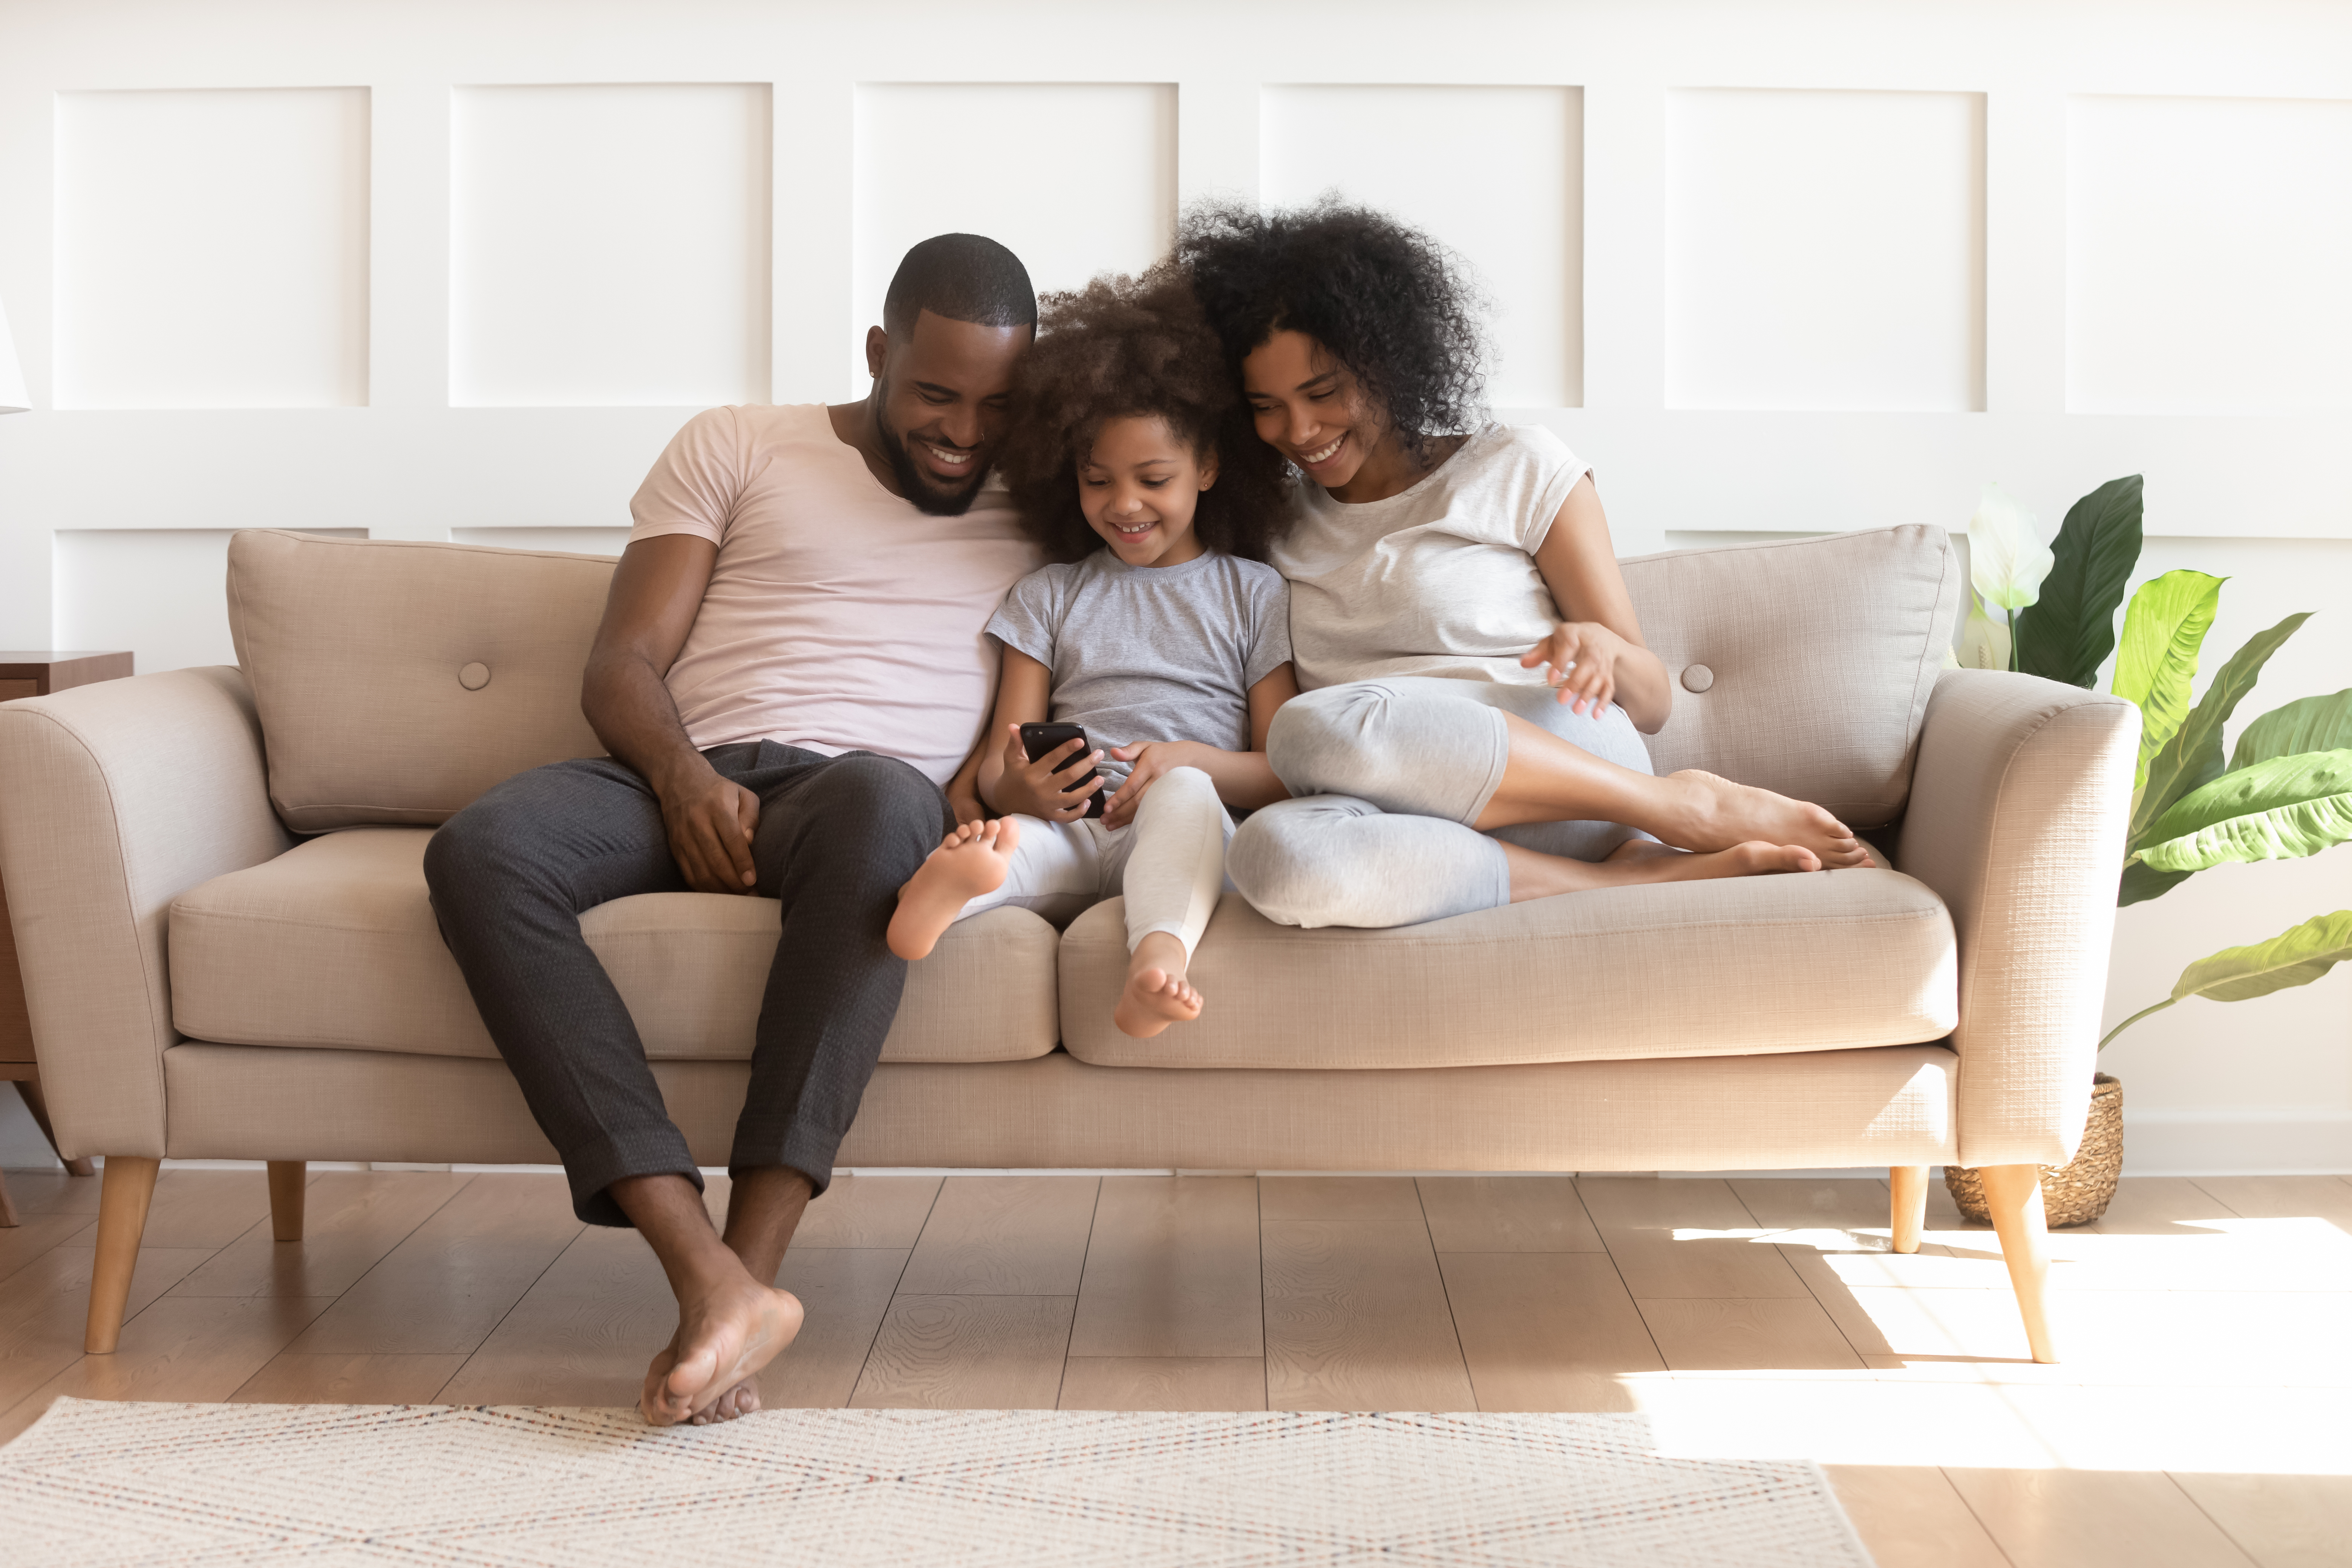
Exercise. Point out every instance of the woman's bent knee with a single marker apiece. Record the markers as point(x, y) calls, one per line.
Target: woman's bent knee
point(1274, 864)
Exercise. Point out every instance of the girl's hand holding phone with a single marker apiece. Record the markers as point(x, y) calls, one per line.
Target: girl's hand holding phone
point(1150, 759)
point(1038, 789)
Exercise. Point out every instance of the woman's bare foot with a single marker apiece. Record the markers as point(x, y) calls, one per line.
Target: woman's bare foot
point(1638, 862)
point(972, 860)
point(726, 1333)
point(1711, 813)
point(1156, 993)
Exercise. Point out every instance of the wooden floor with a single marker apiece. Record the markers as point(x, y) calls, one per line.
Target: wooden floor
point(2203, 1413)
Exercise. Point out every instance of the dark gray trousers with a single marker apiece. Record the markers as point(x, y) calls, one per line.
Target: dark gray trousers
point(836, 838)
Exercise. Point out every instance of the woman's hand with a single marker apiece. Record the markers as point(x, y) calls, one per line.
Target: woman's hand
point(1150, 759)
point(1036, 789)
point(1581, 659)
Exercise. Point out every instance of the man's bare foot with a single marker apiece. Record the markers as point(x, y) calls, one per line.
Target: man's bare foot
point(739, 1401)
point(1715, 814)
point(972, 860)
point(1156, 993)
point(725, 1335)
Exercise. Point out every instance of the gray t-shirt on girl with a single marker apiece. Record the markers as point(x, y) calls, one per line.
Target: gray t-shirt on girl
point(1151, 653)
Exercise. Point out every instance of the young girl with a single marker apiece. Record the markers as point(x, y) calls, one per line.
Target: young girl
point(1159, 631)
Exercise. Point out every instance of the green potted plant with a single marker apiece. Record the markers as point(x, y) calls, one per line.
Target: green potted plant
point(2283, 791)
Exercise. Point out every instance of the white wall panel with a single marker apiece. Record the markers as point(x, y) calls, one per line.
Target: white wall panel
point(2208, 256)
point(1497, 172)
point(162, 592)
point(608, 245)
point(212, 249)
point(1825, 250)
point(1076, 178)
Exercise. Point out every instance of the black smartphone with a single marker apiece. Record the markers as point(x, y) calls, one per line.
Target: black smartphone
point(1037, 740)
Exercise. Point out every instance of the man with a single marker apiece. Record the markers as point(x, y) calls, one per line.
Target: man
point(790, 668)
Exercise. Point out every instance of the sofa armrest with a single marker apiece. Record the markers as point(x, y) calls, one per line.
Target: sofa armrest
point(114, 800)
point(2017, 808)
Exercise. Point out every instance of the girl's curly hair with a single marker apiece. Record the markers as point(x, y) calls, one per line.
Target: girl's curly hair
point(1388, 301)
point(1133, 347)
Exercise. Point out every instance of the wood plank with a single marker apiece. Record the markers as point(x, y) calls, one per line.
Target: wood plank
point(1639, 1221)
point(49, 1190)
point(2283, 1197)
point(580, 1334)
point(43, 1305)
point(352, 1219)
point(1506, 1214)
point(2094, 1519)
point(968, 1352)
point(2281, 1521)
point(1355, 1319)
point(1386, 1199)
point(1546, 1330)
point(1004, 1236)
point(201, 1208)
point(442, 1291)
point(2154, 1206)
point(193, 1349)
point(1909, 1516)
point(1164, 1382)
point(37, 1233)
point(869, 1211)
point(291, 1378)
point(1172, 1270)
point(1745, 1334)
point(846, 1292)
point(1788, 1203)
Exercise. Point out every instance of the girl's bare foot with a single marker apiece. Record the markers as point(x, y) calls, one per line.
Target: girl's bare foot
point(1715, 814)
point(727, 1328)
point(1156, 993)
point(972, 860)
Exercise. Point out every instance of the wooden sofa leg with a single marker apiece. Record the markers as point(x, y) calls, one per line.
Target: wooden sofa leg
point(7, 1207)
point(122, 1199)
point(2014, 1193)
point(1910, 1218)
point(286, 1180)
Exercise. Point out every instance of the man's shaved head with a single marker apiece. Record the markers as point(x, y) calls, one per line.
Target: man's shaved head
point(963, 277)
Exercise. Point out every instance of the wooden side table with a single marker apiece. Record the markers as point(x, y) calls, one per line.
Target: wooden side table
point(35, 675)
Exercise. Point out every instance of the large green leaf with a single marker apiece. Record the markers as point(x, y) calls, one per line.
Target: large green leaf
point(2192, 758)
point(2140, 883)
point(2310, 725)
point(2068, 633)
point(2279, 810)
point(2295, 957)
point(2156, 663)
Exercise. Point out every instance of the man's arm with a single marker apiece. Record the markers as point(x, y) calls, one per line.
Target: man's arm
point(657, 592)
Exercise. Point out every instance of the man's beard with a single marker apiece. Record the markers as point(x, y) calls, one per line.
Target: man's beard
point(918, 487)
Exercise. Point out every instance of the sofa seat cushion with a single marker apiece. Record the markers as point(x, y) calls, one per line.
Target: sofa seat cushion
point(334, 943)
point(1835, 959)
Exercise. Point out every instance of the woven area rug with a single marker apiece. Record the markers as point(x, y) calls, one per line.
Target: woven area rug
point(98, 1482)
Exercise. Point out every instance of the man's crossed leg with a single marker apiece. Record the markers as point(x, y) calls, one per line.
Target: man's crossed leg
point(834, 840)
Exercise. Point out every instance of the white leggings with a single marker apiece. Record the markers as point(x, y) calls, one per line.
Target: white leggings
point(1169, 862)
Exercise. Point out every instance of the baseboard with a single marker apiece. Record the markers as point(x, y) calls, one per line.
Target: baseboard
point(2236, 1142)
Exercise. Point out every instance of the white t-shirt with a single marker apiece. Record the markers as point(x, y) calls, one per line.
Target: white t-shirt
point(839, 617)
point(1439, 579)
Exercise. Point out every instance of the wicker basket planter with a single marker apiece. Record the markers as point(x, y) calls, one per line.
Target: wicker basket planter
point(2077, 1192)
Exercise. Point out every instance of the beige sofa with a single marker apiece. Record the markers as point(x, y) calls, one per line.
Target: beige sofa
point(215, 876)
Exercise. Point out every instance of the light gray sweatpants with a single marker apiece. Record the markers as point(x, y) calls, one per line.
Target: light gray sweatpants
point(1386, 777)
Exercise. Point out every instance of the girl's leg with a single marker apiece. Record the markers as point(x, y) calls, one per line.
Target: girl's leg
point(982, 865)
point(1175, 870)
point(1413, 746)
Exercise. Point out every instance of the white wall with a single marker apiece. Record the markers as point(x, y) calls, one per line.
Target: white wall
point(442, 270)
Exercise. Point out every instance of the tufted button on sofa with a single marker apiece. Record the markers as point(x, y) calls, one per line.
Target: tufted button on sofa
point(216, 878)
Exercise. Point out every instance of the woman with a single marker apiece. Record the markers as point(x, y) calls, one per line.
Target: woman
point(1475, 684)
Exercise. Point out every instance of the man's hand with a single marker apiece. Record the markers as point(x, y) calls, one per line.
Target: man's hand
point(1581, 659)
point(1150, 759)
point(709, 822)
point(1036, 789)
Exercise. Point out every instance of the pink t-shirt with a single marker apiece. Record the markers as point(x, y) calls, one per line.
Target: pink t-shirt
point(838, 617)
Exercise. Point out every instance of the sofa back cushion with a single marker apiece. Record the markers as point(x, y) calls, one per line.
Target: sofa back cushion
point(396, 681)
point(1803, 665)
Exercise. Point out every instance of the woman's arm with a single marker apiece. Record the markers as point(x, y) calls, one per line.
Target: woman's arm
point(1009, 781)
point(1599, 634)
point(1245, 779)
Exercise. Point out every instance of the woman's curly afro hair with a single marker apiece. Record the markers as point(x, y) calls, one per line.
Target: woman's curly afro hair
point(1135, 347)
point(1387, 302)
